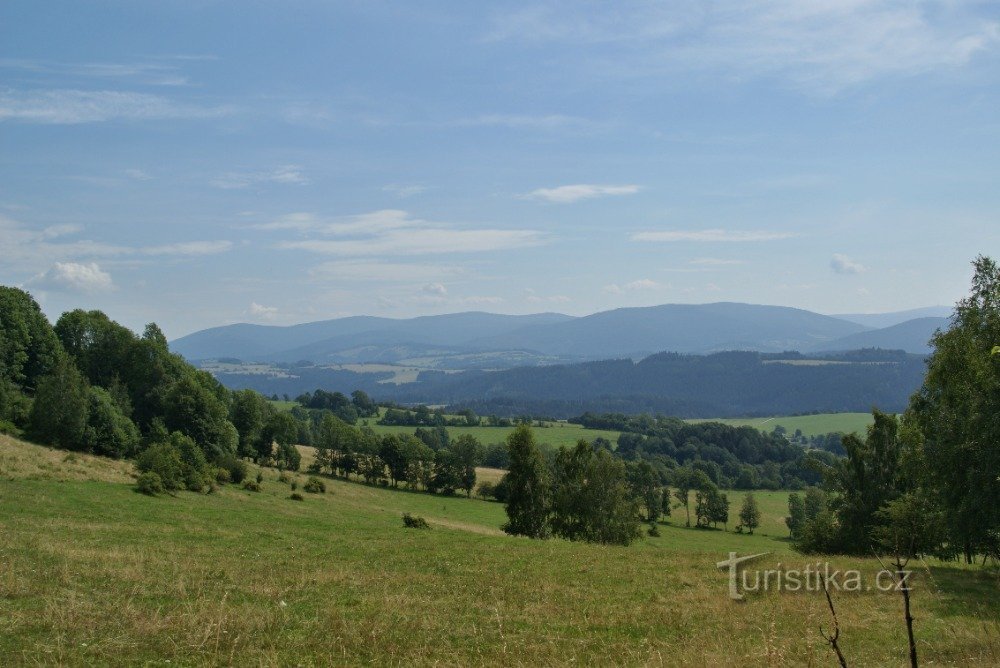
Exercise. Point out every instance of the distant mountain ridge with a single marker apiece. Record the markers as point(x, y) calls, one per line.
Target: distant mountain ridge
point(449, 341)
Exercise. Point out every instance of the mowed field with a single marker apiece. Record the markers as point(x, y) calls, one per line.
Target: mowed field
point(93, 573)
point(811, 425)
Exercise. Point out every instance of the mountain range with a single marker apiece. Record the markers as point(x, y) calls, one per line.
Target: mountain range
point(486, 340)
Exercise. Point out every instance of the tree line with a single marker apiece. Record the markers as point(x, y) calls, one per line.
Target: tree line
point(927, 482)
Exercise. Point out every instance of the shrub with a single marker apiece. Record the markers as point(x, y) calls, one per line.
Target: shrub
point(149, 483)
point(653, 531)
point(222, 476)
point(251, 485)
point(295, 485)
point(314, 486)
point(296, 497)
point(194, 481)
point(284, 477)
point(234, 466)
point(260, 477)
point(414, 522)
point(165, 461)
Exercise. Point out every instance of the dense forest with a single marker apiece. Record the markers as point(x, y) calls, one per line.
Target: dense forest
point(730, 384)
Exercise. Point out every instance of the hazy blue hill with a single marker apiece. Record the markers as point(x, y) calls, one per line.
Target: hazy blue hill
point(685, 328)
point(319, 340)
point(912, 336)
point(883, 320)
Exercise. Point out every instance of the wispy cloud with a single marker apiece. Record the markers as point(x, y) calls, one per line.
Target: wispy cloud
point(633, 286)
point(285, 174)
point(403, 191)
point(74, 277)
point(714, 235)
point(26, 248)
point(575, 193)
point(395, 232)
point(189, 248)
point(819, 46)
point(391, 272)
point(144, 72)
point(261, 312)
point(715, 262)
point(841, 264)
point(71, 107)
point(524, 121)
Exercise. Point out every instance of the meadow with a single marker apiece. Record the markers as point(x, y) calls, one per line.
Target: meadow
point(93, 573)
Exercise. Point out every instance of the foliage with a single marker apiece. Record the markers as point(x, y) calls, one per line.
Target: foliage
point(527, 481)
point(108, 431)
point(750, 513)
point(29, 348)
point(149, 483)
point(59, 413)
point(314, 486)
point(414, 522)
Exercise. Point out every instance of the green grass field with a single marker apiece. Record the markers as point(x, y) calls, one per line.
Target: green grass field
point(93, 573)
point(811, 425)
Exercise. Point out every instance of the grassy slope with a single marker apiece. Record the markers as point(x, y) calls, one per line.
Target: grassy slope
point(91, 572)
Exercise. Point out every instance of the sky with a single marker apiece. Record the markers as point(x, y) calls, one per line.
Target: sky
point(200, 163)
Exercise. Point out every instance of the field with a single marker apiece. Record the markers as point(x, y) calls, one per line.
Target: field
point(93, 573)
point(811, 425)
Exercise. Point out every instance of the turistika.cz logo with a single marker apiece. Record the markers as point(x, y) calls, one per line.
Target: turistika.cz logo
point(814, 577)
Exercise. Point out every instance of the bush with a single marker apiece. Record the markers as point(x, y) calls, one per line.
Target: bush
point(296, 497)
point(314, 486)
point(165, 461)
point(194, 481)
point(284, 477)
point(414, 522)
point(234, 466)
point(486, 490)
point(654, 531)
point(149, 483)
point(251, 485)
point(222, 476)
point(260, 477)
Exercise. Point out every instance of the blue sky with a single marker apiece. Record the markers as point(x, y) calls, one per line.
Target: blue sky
point(201, 163)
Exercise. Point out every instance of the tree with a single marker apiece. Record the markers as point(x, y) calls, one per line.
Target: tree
point(59, 413)
point(248, 413)
point(750, 513)
point(193, 407)
point(686, 479)
point(280, 428)
point(448, 470)
point(29, 348)
point(796, 518)
point(108, 432)
point(645, 483)
point(527, 483)
point(591, 497)
point(469, 452)
point(956, 410)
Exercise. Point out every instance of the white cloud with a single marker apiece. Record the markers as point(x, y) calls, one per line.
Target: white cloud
point(714, 262)
point(284, 174)
point(574, 193)
point(189, 248)
point(642, 284)
point(841, 264)
point(822, 47)
point(394, 232)
point(69, 107)
point(532, 297)
point(399, 272)
point(515, 121)
point(74, 277)
point(633, 286)
point(262, 312)
point(712, 235)
point(137, 174)
point(402, 191)
point(435, 289)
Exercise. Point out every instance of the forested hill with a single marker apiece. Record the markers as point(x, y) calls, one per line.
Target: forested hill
point(719, 385)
